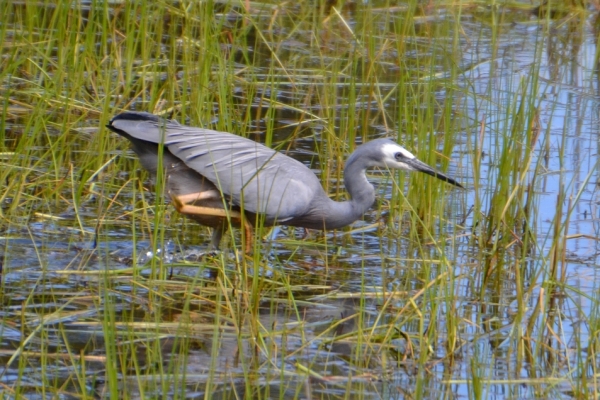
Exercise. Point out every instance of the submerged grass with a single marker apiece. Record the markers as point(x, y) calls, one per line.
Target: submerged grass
point(106, 299)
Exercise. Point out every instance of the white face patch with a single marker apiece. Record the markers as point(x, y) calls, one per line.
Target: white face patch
point(390, 150)
point(394, 155)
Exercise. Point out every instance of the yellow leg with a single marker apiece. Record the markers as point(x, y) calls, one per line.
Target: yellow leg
point(249, 232)
point(178, 202)
point(191, 197)
point(187, 209)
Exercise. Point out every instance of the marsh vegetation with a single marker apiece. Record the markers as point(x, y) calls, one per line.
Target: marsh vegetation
point(488, 292)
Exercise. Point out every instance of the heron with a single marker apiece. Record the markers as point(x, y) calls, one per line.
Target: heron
point(220, 179)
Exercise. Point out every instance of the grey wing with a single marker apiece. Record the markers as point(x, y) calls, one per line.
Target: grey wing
point(255, 177)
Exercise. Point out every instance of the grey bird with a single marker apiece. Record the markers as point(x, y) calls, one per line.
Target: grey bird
point(221, 179)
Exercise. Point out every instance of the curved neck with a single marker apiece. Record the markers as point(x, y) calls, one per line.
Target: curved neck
point(362, 197)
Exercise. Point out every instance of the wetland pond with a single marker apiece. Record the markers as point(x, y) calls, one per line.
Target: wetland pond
point(491, 292)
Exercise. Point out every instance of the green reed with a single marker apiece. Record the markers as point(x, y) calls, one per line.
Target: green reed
point(281, 74)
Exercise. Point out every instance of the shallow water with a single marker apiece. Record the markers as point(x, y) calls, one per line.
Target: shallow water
point(69, 290)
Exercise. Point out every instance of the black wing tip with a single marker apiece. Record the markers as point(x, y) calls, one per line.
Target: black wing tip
point(135, 116)
point(131, 116)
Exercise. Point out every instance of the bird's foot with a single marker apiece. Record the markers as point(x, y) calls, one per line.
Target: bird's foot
point(194, 256)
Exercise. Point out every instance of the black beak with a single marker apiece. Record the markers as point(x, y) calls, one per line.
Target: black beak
point(420, 166)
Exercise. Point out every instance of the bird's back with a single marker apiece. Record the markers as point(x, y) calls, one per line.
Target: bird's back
point(258, 179)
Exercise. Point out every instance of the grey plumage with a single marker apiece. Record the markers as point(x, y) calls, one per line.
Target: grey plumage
point(240, 174)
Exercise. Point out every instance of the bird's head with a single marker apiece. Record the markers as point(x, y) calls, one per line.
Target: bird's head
point(386, 153)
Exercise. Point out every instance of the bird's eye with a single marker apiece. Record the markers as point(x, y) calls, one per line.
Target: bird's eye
point(398, 156)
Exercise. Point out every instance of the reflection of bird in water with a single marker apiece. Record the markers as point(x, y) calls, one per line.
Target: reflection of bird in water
point(218, 178)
